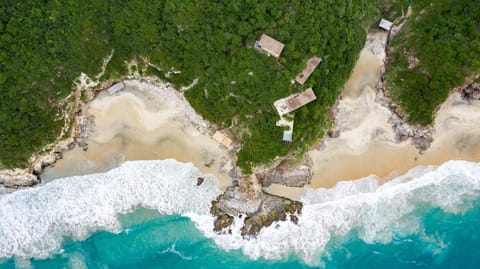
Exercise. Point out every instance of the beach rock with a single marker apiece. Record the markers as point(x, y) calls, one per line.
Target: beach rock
point(222, 220)
point(295, 178)
point(402, 130)
point(261, 209)
point(286, 175)
point(236, 200)
point(273, 209)
point(471, 92)
point(67, 144)
point(17, 178)
point(333, 133)
point(200, 181)
point(84, 128)
point(422, 138)
point(44, 161)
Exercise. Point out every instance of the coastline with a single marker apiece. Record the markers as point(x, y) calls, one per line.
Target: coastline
point(146, 120)
point(150, 120)
point(370, 138)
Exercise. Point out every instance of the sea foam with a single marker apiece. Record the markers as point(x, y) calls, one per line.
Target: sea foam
point(34, 222)
point(375, 213)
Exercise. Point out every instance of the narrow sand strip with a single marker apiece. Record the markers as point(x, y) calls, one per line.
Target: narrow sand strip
point(144, 122)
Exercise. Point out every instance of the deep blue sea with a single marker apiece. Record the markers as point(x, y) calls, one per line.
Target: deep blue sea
point(429, 218)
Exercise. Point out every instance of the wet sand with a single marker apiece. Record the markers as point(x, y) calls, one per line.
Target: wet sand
point(138, 123)
point(366, 145)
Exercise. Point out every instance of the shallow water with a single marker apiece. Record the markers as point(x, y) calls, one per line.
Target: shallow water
point(150, 214)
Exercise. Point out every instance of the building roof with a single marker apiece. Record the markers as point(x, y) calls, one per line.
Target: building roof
point(312, 63)
point(222, 139)
point(270, 45)
point(385, 24)
point(294, 101)
point(116, 87)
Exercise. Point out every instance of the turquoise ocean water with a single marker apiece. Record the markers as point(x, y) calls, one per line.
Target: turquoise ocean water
point(429, 218)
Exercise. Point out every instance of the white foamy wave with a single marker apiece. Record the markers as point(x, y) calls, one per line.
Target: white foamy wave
point(377, 214)
point(33, 222)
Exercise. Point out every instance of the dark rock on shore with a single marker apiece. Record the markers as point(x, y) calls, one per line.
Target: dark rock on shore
point(471, 92)
point(422, 136)
point(273, 209)
point(200, 181)
point(84, 128)
point(287, 175)
point(17, 178)
point(261, 209)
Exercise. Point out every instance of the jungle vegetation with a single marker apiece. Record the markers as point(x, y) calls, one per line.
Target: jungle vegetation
point(45, 45)
point(444, 36)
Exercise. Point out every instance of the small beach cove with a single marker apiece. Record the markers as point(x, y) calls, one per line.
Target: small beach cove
point(366, 144)
point(143, 122)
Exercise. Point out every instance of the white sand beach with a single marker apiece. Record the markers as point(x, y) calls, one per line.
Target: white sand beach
point(366, 145)
point(144, 122)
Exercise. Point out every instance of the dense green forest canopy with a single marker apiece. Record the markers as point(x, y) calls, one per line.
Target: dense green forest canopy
point(45, 45)
point(444, 36)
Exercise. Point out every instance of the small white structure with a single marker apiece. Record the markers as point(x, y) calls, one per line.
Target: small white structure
point(269, 45)
point(222, 139)
point(116, 87)
point(385, 24)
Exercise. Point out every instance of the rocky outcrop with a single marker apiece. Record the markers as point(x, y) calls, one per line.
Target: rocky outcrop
point(17, 178)
point(273, 208)
point(243, 198)
point(471, 92)
point(258, 209)
point(56, 154)
point(83, 129)
point(29, 176)
point(287, 175)
point(422, 136)
point(200, 181)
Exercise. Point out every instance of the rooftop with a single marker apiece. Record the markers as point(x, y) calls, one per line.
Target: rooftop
point(116, 87)
point(385, 24)
point(312, 63)
point(294, 101)
point(270, 45)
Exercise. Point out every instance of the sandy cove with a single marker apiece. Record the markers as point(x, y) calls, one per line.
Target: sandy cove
point(366, 143)
point(144, 121)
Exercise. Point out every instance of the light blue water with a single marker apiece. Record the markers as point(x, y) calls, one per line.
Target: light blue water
point(148, 239)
